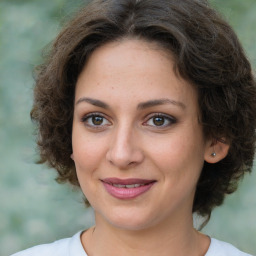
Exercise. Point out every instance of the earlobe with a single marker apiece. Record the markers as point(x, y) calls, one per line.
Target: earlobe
point(72, 156)
point(216, 151)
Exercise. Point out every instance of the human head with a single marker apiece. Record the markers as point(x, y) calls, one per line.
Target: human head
point(206, 52)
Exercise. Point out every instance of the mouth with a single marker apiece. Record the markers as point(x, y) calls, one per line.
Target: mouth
point(127, 188)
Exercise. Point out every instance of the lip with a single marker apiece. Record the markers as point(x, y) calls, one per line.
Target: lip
point(127, 193)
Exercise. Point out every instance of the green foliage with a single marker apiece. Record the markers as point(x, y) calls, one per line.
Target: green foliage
point(34, 209)
point(241, 15)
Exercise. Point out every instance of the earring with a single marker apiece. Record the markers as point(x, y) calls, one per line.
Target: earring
point(213, 154)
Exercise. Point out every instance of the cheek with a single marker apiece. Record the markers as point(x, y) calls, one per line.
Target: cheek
point(87, 151)
point(179, 154)
point(170, 148)
point(87, 159)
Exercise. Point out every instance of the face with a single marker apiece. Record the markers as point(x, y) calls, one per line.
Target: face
point(137, 145)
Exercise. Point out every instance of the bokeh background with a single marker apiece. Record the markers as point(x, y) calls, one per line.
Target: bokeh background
point(35, 209)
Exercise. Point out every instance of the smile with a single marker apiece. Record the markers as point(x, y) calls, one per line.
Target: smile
point(128, 188)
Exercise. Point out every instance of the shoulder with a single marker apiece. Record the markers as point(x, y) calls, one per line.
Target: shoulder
point(219, 248)
point(64, 247)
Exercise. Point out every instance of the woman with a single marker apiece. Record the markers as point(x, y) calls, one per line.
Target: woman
point(149, 106)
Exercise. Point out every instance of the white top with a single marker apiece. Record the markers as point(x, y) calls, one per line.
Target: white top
point(73, 247)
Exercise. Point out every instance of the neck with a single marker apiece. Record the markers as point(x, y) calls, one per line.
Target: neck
point(181, 239)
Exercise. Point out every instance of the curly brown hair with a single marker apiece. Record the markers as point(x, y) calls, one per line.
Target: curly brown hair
point(207, 53)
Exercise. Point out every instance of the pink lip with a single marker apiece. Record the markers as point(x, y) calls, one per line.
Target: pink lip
point(127, 193)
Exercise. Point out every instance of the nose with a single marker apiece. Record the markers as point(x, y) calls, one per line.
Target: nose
point(125, 150)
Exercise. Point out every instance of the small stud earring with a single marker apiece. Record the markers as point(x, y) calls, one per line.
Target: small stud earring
point(213, 154)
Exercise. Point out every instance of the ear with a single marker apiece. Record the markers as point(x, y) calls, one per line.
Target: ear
point(216, 150)
point(72, 156)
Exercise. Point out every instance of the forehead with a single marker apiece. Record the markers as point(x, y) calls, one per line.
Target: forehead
point(133, 67)
point(127, 48)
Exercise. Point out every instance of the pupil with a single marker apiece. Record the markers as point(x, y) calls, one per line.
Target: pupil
point(97, 120)
point(158, 121)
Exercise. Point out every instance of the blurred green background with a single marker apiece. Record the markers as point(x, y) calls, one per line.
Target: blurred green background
point(33, 207)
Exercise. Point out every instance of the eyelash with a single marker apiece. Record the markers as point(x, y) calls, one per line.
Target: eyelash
point(88, 120)
point(170, 120)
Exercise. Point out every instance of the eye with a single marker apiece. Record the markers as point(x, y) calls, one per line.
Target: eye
point(160, 120)
point(95, 120)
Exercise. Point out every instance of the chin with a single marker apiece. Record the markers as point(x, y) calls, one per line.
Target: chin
point(131, 221)
point(131, 225)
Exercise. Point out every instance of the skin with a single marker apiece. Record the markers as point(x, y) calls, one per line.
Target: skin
point(163, 142)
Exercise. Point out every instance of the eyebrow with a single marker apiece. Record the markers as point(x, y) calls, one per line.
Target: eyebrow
point(94, 102)
point(152, 103)
point(143, 105)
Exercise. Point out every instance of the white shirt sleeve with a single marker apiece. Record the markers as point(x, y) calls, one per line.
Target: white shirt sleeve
point(64, 247)
point(219, 248)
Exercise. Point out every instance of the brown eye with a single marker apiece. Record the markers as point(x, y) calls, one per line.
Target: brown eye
point(97, 120)
point(158, 121)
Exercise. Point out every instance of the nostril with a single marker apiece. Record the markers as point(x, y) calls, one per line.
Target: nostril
point(124, 152)
point(131, 163)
